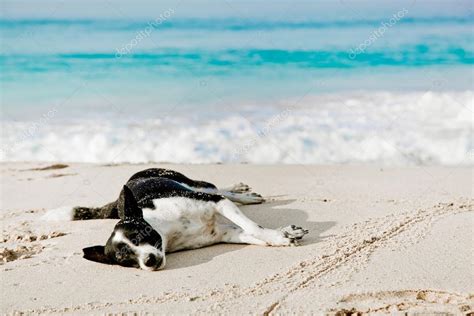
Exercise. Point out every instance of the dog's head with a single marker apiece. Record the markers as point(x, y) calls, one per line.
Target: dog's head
point(133, 243)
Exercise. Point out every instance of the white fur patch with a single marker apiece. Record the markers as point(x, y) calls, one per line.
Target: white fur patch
point(176, 207)
point(183, 223)
point(64, 213)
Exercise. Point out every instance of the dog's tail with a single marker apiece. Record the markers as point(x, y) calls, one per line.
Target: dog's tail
point(77, 213)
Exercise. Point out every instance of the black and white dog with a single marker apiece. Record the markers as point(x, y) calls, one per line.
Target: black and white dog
point(163, 211)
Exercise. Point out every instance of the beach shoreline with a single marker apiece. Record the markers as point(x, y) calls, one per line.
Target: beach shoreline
point(382, 240)
point(367, 127)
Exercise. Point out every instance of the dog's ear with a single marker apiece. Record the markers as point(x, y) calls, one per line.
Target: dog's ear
point(97, 254)
point(130, 206)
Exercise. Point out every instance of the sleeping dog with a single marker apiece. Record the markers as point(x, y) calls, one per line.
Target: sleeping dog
point(163, 211)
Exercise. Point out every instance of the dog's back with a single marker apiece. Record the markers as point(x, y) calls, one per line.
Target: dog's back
point(146, 185)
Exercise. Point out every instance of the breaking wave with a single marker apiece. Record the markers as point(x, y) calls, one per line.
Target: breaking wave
point(386, 128)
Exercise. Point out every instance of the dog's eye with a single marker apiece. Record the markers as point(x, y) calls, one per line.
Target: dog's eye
point(123, 249)
point(121, 245)
point(134, 239)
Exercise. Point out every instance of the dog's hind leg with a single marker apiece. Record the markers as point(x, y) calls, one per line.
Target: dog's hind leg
point(239, 193)
point(237, 188)
point(284, 237)
point(243, 198)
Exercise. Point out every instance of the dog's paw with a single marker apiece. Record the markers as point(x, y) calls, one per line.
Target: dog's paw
point(293, 233)
point(239, 188)
point(250, 198)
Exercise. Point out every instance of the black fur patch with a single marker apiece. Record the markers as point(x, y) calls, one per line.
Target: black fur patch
point(147, 185)
point(146, 190)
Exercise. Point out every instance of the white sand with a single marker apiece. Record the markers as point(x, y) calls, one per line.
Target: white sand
point(381, 241)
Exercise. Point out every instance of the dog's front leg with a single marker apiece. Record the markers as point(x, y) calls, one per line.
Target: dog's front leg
point(285, 237)
point(235, 235)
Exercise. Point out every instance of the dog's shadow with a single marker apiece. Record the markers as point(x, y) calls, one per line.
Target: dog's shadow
point(270, 214)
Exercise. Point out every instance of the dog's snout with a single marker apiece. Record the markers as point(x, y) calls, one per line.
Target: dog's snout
point(152, 261)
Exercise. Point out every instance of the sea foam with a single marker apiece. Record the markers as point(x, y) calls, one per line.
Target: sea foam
point(377, 127)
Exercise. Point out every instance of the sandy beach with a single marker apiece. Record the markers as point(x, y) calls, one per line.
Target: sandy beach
point(382, 240)
point(353, 120)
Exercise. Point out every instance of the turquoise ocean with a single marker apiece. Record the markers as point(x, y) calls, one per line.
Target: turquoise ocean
point(237, 81)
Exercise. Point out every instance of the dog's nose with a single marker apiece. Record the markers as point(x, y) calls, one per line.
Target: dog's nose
point(151, 261)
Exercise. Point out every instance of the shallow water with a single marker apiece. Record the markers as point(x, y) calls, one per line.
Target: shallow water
point(195, 82)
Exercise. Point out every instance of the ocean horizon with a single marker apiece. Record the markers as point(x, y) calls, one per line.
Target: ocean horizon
point(209, 82)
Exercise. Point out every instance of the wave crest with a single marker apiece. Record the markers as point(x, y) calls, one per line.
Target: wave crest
point(385, 128)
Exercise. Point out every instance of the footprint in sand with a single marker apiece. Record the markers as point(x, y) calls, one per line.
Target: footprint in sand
point(23, 245)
